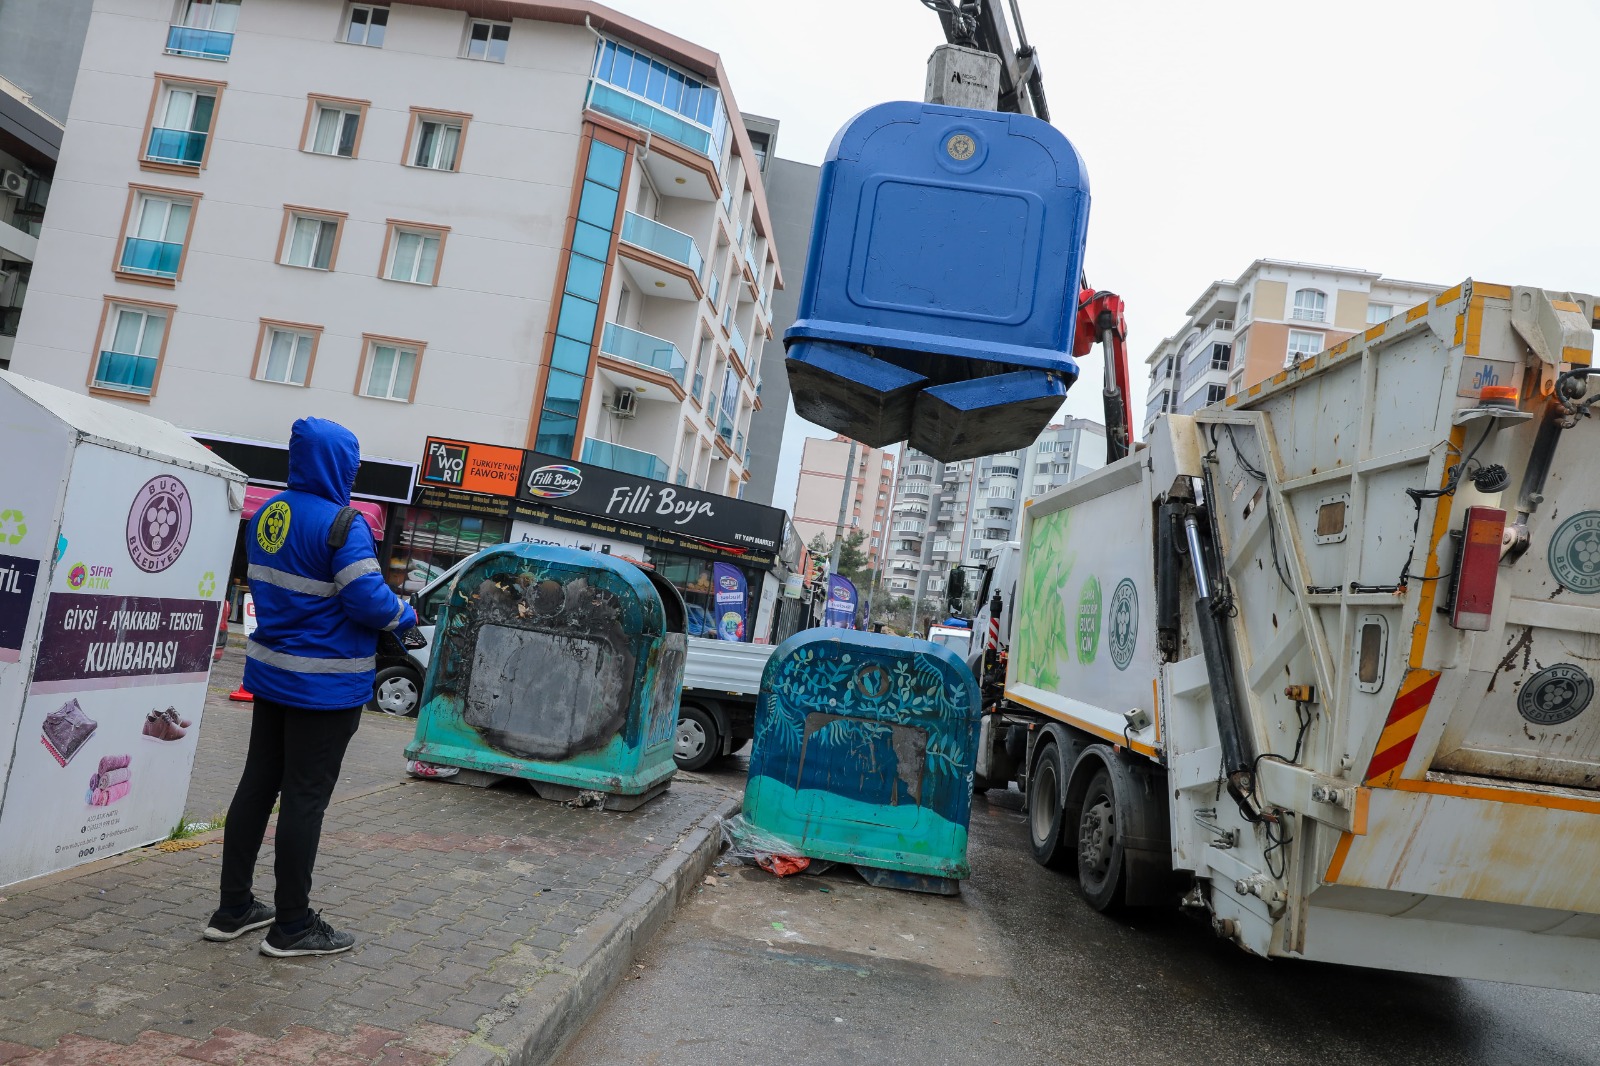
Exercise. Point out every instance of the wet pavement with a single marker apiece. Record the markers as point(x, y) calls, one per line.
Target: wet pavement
point(1019, 970)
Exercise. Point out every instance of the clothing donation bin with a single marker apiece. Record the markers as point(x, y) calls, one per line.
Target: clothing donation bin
point(942, 281)
point(558, 666)
point(116, 531)
point(864, 753)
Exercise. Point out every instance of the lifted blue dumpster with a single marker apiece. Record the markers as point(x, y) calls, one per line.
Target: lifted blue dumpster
point(864, 753)
point(942, 280)
point(558, 666)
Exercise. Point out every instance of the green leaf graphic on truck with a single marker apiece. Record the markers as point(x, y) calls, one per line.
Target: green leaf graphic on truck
point(1046, 631)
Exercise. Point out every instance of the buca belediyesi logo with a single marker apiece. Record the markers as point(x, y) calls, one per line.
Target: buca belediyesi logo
point(158, 523)
point(273, 529)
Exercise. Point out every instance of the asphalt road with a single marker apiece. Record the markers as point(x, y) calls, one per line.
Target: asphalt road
point(1018, 970)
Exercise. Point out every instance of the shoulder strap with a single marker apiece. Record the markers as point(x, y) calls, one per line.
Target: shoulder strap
point(339, 532)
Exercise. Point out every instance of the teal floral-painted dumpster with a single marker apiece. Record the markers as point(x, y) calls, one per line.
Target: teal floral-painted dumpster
point(558, 666)
point(864, 753)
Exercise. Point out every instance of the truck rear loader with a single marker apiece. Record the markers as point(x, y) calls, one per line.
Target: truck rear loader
point(1320, 661)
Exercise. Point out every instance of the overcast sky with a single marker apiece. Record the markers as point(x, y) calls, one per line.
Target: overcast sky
point(1425, 139)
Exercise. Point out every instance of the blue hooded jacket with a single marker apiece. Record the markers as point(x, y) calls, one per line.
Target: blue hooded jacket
point(318, 609)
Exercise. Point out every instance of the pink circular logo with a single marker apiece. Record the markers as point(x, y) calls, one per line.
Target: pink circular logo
point(158, 524)
point(730, 584)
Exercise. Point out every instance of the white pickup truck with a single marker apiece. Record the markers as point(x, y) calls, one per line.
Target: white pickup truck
point(716, 713)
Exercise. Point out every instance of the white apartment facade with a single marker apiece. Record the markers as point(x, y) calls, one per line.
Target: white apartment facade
point(524, 224)
point(1241, 332)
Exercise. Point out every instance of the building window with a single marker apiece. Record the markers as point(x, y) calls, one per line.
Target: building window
point(1301, 344)
point(309, 239)
point(1379, 313)
point(1244, 308)
point(436, 139)
point(487, 40)
point(183, 117)
point(204, 29)
point(389, 368)
point(366, 25)
point(285, 352)
point(1215, 394)
point(640, 89)
point(333, 126)
point(1221, 356)
point(133, 337)
point(155, 235)
point(413, 253)
point(1310, 305)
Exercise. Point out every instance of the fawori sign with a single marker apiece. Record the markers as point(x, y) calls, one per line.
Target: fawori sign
point(471, 467)
point(641, 501)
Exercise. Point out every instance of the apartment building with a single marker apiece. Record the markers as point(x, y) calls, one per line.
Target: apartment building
point(30, 141)
point(827, 480)
point(529, 225)
point(1277, 312)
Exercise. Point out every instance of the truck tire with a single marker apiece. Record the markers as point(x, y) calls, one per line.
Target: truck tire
point(1047, 784)
point(1101, 844)
point(698, 740)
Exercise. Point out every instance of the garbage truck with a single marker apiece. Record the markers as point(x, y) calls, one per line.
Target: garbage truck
point(1319, 662)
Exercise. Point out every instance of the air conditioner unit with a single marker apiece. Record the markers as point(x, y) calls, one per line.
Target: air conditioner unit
point(12, 183)
point(624, 404)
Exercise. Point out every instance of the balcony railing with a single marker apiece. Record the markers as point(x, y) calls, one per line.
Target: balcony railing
point(128, 373)
point(1003, 471)
point(715, 289)
point(663, 240)
point(698, 392)
point(642, 348)
point(199, 44)
point(157, 259)
point(725, 430)
point(185, 147)
point(737, 340)
point(1309, 314)
point(738, 445)
point(618, 104)
point(627, 460)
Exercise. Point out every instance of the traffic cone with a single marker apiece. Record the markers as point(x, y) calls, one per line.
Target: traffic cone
point(239, 695)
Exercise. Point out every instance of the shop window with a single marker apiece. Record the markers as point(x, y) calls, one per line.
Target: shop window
point(428, 542)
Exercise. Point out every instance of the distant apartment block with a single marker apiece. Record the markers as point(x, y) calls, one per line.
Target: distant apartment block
point(1277, 312)
point(827, 481)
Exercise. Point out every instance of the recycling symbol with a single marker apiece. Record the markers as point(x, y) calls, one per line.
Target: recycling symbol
point(208, 584)
point(12, 527)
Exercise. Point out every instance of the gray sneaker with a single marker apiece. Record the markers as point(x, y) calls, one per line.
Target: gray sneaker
point(224, 927)
point(318, 938)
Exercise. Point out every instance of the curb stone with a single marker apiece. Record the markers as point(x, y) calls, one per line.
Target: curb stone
point(536, 1022)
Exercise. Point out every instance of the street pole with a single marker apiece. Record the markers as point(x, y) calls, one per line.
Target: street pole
point(844, 508)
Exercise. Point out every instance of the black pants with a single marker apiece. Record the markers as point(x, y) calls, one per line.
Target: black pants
point(295, 752)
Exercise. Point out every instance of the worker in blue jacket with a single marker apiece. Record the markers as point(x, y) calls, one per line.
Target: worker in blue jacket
point(320, 602)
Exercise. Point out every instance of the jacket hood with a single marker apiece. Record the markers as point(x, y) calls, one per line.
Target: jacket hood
point(323, 458)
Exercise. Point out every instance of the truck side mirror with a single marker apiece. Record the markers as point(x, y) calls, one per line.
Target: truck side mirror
point(956, 589)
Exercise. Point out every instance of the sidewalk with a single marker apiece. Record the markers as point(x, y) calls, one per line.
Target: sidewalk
point(489, 923)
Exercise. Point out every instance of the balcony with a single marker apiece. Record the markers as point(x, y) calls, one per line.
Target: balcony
point(623, 459)
point(665, 241)
point(642, 113)
point(154, 259)
point(125, 373)
point(199, 44)
point(1003, 472)
point(645, 350)
point(183, 147)
point(1309, 314)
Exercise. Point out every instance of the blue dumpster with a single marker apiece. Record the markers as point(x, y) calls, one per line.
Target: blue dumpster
point(941, 286)
point(558, 666)
point(864, 752)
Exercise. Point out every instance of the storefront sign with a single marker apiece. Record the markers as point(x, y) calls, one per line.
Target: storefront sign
point(17, 579)
point(840, 611)
point(471, 467)
point(96, 641)
point(601, 492)
point(595, 526)
point(731, 600)
point(471, 503)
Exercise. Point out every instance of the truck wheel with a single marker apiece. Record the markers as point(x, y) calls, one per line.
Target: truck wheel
point(1046, 786)
point(1100, 844)
point(698, 740)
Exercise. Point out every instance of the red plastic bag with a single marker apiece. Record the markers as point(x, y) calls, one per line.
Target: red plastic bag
point(783, 865)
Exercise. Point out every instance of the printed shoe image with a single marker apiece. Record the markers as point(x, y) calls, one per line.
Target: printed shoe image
point(171, 715)
point(157, 726)
point(316, 938)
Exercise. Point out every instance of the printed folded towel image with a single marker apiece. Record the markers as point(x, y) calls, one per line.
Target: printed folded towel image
point(65, 731)
point(165, 725)
point(110, 783)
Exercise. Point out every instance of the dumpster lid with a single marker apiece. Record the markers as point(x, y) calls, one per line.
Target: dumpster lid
point(111, 426)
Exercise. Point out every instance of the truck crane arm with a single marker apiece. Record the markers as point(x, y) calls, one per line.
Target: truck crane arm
point(1101, 318)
